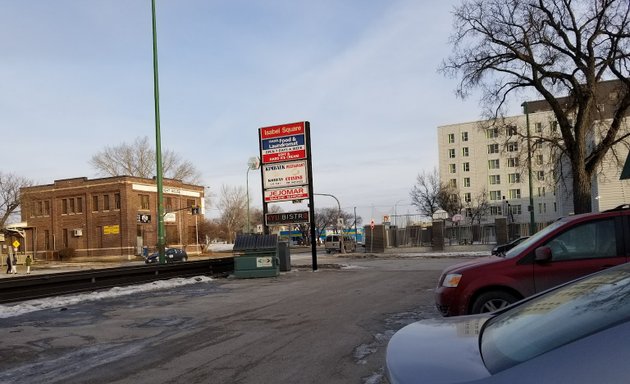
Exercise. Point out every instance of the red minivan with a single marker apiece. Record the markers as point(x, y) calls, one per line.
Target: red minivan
point(568, 248)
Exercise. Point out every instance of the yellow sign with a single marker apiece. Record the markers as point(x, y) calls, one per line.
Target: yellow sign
point(111, 229)
point(16, 244)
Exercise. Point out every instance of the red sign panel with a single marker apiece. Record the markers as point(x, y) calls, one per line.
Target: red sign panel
point(284, 194)
point(281, 143)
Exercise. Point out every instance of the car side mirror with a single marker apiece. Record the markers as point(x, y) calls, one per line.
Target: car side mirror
point(543, 254)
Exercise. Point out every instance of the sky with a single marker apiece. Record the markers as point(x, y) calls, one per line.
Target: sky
point(76, 76)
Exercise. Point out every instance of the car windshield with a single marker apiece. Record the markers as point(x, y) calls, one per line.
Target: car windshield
point(538, 235)
point(556, 318)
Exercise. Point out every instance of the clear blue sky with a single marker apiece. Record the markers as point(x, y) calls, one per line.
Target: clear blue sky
point(77, 75)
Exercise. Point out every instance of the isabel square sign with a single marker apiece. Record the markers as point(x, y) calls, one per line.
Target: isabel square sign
point(281, 143)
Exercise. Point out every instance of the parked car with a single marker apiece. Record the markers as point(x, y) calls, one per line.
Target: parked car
point(575, 333)
point(502, 248)
point(171, 255)
point(332, 243)
point(570, 247)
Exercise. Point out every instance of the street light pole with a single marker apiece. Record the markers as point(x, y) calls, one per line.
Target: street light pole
point(532, 221)
point(161, 241)
point(252, 164)
point(338, 217)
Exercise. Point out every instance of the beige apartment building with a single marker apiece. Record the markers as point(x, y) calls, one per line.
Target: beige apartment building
point(489, 160)
point(113, 217)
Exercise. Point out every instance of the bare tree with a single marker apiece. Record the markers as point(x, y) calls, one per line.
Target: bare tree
point(449, 200)
point(479, 207)
point(425, 195)
point(233, 207)
point(10, 185)
point(553, 47)
point(138, 159)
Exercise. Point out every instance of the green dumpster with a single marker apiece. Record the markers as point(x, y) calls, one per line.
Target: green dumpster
point(256, 256)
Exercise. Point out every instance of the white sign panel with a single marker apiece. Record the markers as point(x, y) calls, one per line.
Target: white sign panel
point(263, 262)
point(284, 194)
point(285, 174)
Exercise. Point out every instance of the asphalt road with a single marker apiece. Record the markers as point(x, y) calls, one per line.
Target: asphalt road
point(328, 326)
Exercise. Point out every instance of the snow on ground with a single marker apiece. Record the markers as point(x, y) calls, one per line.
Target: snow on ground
point(11, 310)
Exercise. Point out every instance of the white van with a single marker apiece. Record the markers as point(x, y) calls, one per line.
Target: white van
point(333, 243)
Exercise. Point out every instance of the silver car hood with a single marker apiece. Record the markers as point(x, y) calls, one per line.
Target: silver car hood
point(437, 351)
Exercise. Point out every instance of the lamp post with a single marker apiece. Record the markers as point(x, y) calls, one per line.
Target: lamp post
point(342, 250)
point(532, 221)
point(161, 243)
point(252, 164)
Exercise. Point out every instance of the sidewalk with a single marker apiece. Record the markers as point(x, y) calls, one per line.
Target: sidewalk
point(299, 256)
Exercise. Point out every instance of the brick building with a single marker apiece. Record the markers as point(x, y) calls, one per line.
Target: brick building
point(113, 217)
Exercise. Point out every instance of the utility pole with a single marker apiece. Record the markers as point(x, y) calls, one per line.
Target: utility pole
point(161, 241)
point(532, 221)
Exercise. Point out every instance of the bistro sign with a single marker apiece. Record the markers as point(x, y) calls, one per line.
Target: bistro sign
point(287, 218)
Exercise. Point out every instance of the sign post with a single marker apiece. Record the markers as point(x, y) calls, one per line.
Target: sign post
point(287, 174)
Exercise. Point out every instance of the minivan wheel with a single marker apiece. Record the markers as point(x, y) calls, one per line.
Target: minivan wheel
point(492, 301)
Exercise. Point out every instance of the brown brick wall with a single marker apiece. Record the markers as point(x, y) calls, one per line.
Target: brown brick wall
point(81, 204)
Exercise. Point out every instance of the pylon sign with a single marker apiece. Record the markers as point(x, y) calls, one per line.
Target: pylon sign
point(287, 173)
point(286, 170)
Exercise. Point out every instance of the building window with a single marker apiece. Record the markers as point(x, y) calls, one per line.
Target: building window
point(514, 178)
point(495, 195)
point(467, 197)
point(168, 204)
point(64, 237)
point(451, 153)
point(466, 181)
point(542, 207)
point(452, 168)
point(554, 126)
point(466, 167)
point(46, 211)
point(512, 162)
point(465, 152)
point(105, 202)
point(538, 127)
point(541, 191)
point(94, 203)
point(493, 148)
point(493, 164)
point(512, 147)
point(495, 210)
point(540, 175)
point(116, 200)
point(79, 205)
point(46, 239)
point(452, 183)
point(539, 159)
point(511, 130)
point(144, 202)
point(495, 179)
point(514, 194)
point(38, 209)
point(451, 138)
point(492, 133)
point(464, 136)
point(516, 209)
point(64, 206)
point(71, 206)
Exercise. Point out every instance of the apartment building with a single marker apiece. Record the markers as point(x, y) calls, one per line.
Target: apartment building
point(487, 161)
point(108, 217)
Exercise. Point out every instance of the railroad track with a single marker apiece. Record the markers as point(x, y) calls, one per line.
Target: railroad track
point(37, 286)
